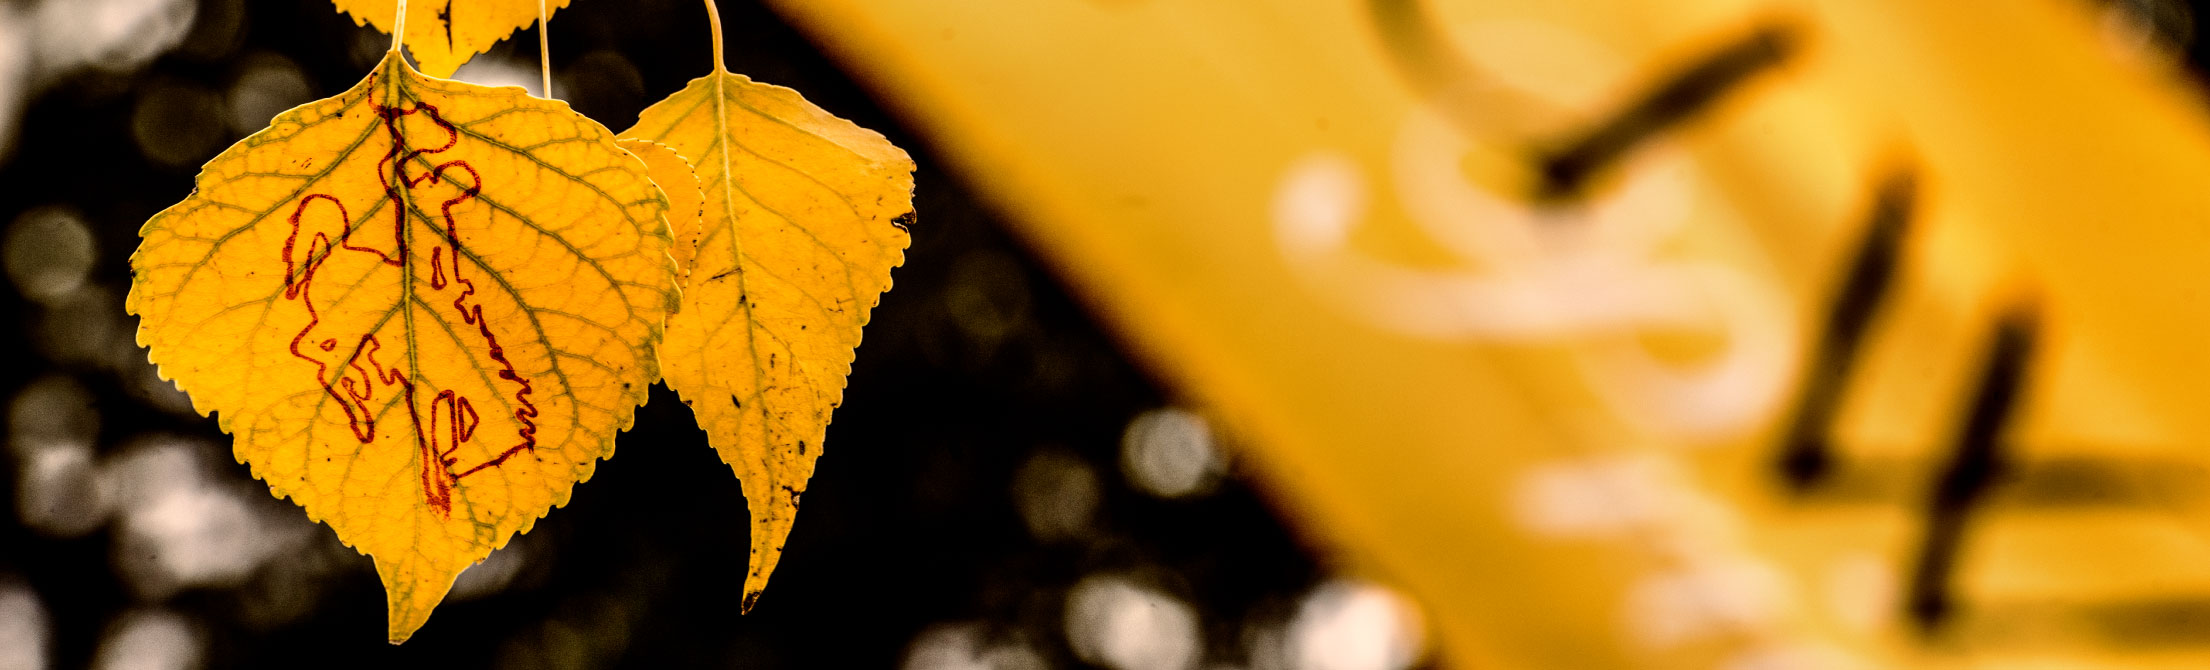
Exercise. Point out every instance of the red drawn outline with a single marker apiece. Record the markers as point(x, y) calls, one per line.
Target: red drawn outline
point(453, 418)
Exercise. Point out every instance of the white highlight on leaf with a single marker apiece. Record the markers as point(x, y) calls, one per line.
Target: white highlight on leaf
point(1561, 67)
point(489, 70)
point(1599, 272)
point(1705, 583)
point(1596, 498)
point(1862, 591)
point(1705, 599)
point(1795, 657)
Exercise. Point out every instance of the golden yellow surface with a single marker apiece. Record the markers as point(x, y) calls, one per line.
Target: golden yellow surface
point(422, 308)
point(805, 216)
point(686, 197)
point(443, 34)
point(1559, 424)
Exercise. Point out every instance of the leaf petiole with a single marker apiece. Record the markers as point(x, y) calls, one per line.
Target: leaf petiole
point(399, 27)
point(544, 48)
point(713, 21)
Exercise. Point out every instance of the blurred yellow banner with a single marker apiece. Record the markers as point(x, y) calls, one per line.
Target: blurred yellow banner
point(1709, 334)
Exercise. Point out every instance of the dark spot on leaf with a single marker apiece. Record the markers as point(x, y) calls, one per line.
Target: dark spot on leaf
point(445, 16)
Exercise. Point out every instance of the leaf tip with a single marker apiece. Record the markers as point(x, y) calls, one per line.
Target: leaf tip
point(402, 626)
point(412, 590)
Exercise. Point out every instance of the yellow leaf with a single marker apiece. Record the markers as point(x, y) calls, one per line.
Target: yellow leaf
point(443, 34)
point(804, 220)
point(1500, 402)
point(686, 199)
point(428, 385)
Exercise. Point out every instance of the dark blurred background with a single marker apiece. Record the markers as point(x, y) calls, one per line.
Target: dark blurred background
point(1002, 488)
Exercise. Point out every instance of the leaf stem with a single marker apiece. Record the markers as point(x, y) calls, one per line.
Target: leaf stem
point(544, 48)
point(713, 19)
point(399, 27)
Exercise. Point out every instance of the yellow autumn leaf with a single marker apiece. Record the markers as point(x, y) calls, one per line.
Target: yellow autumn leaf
point(804, 218)
point(1922, 242)
point(686, 199)
point(422, 308)
point(446, 33)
